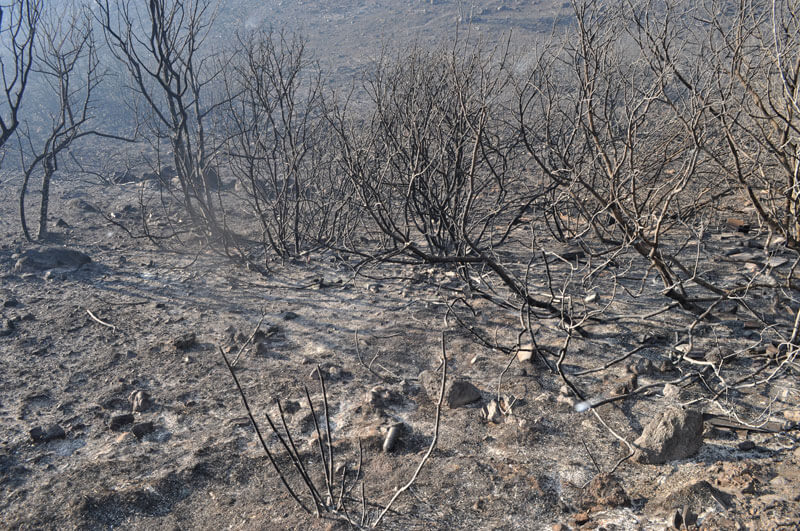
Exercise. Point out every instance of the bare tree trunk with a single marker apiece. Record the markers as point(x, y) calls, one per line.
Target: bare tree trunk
point(49, 169)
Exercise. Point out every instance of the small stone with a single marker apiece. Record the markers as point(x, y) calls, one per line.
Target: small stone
point(675, 434)
point(697, 494)
point(568, 400)
point(792, 415)
point(739, 225)
point(119, 421)
point(491, 412)
point(683, 349)
point(11, 303)
point(140, 401)
point(777, 261)
point(581, 518)
point(675, 519)
point(714, 356)
point(672, 391)
point(746, 445)
point(8, 328)
point(689, 517)
point(591, 297)
point(141, 429)
point(525, 354)
point(381, 398)
point(627, 385)
point(605, 490)
point(643, 367)
point(430, 383)
point(39, 434)
point(371, 438)
point(290, 316)
point(290, 407)
point(185, 341)
point(560, 527)
point(462, 393)
point(50, 258)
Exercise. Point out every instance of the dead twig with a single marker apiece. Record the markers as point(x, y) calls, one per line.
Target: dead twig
point(260, 437)
point(249, 340)
point(100, 321)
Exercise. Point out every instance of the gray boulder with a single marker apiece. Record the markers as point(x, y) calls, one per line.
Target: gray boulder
point(676, 433)
point(462, 393)
point(51, 258)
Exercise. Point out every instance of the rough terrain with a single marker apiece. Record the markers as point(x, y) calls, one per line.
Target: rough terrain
point(80, 448)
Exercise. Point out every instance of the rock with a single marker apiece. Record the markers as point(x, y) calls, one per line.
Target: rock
point(140, 401)
point(371, 438)
point(290, 407)
point(331, 373)
point(605, 491)
point(51, 258)
point(728, 307)
point(642, 367)
point(430, 383)
point(79, 205)
point(675, 519)
point(491, 412)
point(739, 225)
point(290, 316)
point(568, 252)
point(211, 177)
point(141, 429)
point(40, 435)
point(8, 328)
point(689, 517)
point(123, 177)
point(11, 302)
point(675, 434)
point(746, 445)
point(626, 385)
point(381, 398)
point(569, 401)
point(697, 494)
point(777, 261)
point(62, 224)
point(461, 393)
point(714, 356)
point(792, 415)
point(119, 421)
point(581, 518)
point(525, 354)
point(185, 341)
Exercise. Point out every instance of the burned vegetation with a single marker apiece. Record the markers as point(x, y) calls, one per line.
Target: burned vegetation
point(508, 283)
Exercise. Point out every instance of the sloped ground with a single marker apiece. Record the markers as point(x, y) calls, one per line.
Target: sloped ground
point(198, 465)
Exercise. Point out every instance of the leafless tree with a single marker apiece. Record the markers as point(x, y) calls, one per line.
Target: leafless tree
point(66, 62)
point(278, 147)
point(436, 165)
point(162, 44)
point(19, 21)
